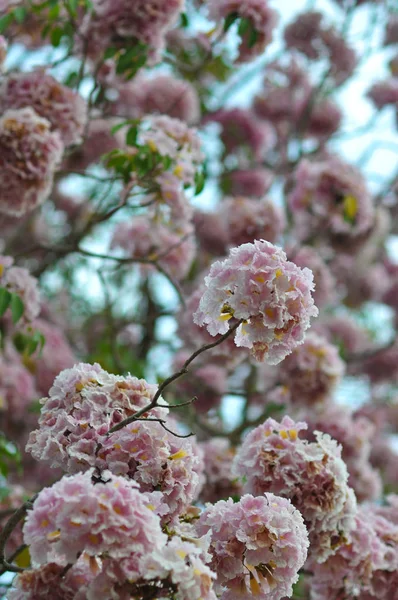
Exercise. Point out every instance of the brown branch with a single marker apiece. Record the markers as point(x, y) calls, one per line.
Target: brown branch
point(9, 527)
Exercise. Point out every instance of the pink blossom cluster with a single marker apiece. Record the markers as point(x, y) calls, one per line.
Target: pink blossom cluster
point(18, 280)
point(312, 371)
point(220, 483)
point(263, 20)
point(308, 35)
point(17, 389)
point(162, 95)
point(247, 220)
point(64, 109)
point(29, 156)
point(366, 568)
point(125, 21)
point(252, 183)
point(330, 195)
point(258, 546)
point(157, 460)
point(325, 285)
point(384, 93)
point(98, 140)
point(171, 247)
point(83, 404)
point(273, 458)
point(272, 296)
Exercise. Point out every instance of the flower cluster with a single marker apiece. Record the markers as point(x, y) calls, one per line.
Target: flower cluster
point(330, 195)
point(220, 483)
point(258, 546)
point(122, 21)
point(83, 404)
point(18, 280)
point(247, 220)
point(312, 371)
point(63, 108)
point(29, 156)
point(312, 475)
point(262, 18)
point(272, 296)
point(325, 285)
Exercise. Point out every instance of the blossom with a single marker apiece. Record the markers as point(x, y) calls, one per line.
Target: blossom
point(118, 22)
point(17, 388)
point(29, 156)
point(384, 93)
point(157, 460)
point(98, 141)
point(76, 515)
point(247, 220)
point(173, 248)
point(253, 183)
point(312, 371)
point(262, 19)
point(271, 295)
point(219, 483)
point(273, 458)
point(258, 546)
point(63, 108)
point(83, 404)
point(307, 256)
point(163, 94)
point(391, 33)
point(241, 129)
point(344, 332)
point(18, 280)
point(330, 195)
point(55, 356)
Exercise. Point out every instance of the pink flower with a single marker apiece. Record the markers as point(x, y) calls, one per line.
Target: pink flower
point(63, 108)
point(18, 280)
point(163, 94)
point(262, 18)
point(325, 285)
point(220, 483)
point(98, 141)
point(391, 35)
point(253, 183)
point(256, 283)
point(273, 458)
point(83, 404)
point(384, 93)
point(119, 22)
point(258, 545)
point(157, 460)
point(29, 156)
point(312, 371)
point(172, 247)
point(247, 220)
point(344, 332)
point(330, 195)
point(17, 389)
point(76, 515)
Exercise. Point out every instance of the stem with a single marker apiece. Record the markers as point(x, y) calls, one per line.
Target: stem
point(9, 527)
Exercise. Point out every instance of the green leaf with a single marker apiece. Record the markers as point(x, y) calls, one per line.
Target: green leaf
point(5, 299)
point(19, 14)
point(230, 20)
point(200, 180)
point(56, 36)
point(131, 136)
point(244, 26)
point(184, 22)
point(6, 22)
point(253, 36)
point(17, 308)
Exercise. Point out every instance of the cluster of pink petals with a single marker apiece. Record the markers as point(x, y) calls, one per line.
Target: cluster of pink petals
point(258, 545)
point(242, 130)
point(55, 356)
point(83, 404)
point(273, 458)
point(355, 433)
point(98, 141)
point(247, 220)
point(330, 195)
point(312, 371)
point(263, 20)
point(157, 460)
point(173, 248)
point(391, 34)
point(325, 285)
point(384, 93)
point(76, 515)
point(144, 20)
point(17, 389)
point(252, 183)
point(163, 94)
point(344, 332)
point(18, 280)
point(366, 568)
point(308, 35)
point(258, 285)
point(29, 156)
point(220, 483)
point(63, 108)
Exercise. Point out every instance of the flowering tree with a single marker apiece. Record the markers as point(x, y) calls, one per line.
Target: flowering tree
point(198, 399)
